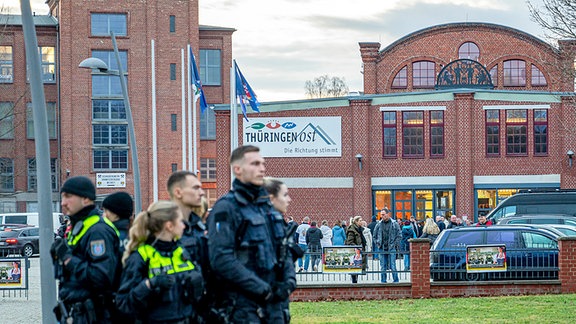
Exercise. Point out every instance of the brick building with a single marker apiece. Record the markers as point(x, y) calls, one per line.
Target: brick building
point(453, 119)
point(89, 133)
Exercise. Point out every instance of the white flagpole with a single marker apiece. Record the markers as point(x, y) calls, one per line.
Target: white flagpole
point(194, 136)
point(154, 135)
point(190, 95)
point(183, 78)
point(233, 115)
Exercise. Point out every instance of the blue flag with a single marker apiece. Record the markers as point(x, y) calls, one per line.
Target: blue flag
point(245, 93)
point(196, 84)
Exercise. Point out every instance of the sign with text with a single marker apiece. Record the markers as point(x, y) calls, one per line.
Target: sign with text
point(110, 180)
point(295, 137)
point(342, 259)
point(485, 258)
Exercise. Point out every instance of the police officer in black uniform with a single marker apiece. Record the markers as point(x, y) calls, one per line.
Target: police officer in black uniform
point(86, 262)
point(243, 236)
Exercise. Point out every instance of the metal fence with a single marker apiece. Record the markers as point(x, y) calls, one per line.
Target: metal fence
point(14, 274)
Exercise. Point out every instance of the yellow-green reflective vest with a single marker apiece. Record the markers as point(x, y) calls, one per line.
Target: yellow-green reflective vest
point(159, 264)
point(86, 224)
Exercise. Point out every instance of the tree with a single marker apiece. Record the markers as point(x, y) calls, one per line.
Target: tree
point(325, 87)
point(557, 17)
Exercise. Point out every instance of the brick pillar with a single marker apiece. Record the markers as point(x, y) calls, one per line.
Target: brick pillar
point(567, 264)
point(420, 267)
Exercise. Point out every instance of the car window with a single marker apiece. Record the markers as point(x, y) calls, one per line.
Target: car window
point(567, 231)
point(547, 220)
point(464, 238)
point(518, 221)
point(16, 219)
point(509, 210)
point(538, 241)
point(34, 232)
point(502, 237)
point(23, 233)
point(570, 222)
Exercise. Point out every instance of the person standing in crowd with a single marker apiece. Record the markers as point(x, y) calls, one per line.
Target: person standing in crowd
point(313, 240)
point(430, 230)
point(301, 234)
point(371, 226)
point(160, 283)
point(280, 199)
point(367, 236)
point(119, 209)
point(454, 222)
point(326, 234)
point(244, 235)
point(355, 236)
point(483, 222)
point(387, 236)
point(87, 262)
point(338, 234)
point(414, 223)
point(407, 233)
point(440, 223)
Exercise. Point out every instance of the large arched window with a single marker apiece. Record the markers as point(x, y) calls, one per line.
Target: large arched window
point(514, 73)
point(469, 51)
point(401, 78)
point(423, 74)
point(538, 79)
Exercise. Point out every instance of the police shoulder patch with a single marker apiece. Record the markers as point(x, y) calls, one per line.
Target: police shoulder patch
point(97, 248)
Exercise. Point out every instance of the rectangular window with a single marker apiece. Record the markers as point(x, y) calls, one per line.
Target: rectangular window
point(493, 132)
point(174, 167)
point(110, 134)
point(6, 65)
point(102, 24)
point(174, 122)
point(48, 58)
point(108, 109)
point(110, 159)
point(210, 67)
point(32, 175)
point(389, 133)
point(514, 73)
point(6, 120)
point(541, 132)
point(6, 175)
point(208, 125)
point(436, 133)
point(413, 134)
point(423, 74)
point(516, 132)
point(172, 23)
point(51, 114)
point(172, 71)
point(207, 169)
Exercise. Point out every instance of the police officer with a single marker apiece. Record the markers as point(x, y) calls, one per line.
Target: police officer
point(243, 233)
point(119, 209)
point(160, 284)
point(87, 260)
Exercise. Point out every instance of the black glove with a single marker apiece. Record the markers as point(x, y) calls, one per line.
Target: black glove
point(60, 250)
point(281, 291)
point(193, 285)
point(162, 281)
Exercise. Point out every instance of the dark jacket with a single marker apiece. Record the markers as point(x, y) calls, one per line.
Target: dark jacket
point(313, 237)
point(354, 236)
point(93, 270)
point(123, 226)
point(431, 237)
point(151, 305)
point(407, 233)
point(244, 235)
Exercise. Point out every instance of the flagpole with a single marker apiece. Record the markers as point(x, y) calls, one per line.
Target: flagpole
point(183, 78)
point(154, 135)
point(190, 95)
point(194, 129)
point(233, 114)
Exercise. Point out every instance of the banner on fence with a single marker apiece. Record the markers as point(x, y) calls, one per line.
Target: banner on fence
point(342, 259)
point(486, 258)
point(11, 274)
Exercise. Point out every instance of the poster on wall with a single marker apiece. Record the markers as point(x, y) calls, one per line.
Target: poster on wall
point(11, 274)
point(295, 136)
point(486, 258)
point(342, 259)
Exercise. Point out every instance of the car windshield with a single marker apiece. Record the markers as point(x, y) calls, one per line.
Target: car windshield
point(8, 234)
point(458, 239)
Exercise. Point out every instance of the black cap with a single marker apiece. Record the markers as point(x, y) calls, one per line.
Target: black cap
point(120, 203)
point(80, 186)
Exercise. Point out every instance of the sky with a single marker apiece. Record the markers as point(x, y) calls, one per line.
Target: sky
point(281, 44)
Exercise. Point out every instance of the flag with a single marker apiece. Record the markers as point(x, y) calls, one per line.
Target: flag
point(245, 93)
point(196, 84)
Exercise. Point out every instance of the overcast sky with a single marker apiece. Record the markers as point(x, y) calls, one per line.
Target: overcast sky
point(281, 44)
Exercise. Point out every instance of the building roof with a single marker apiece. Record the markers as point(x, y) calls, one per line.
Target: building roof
point(39, 20)
point(215, 28)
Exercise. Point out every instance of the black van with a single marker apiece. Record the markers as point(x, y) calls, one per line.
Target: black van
point(536, 202)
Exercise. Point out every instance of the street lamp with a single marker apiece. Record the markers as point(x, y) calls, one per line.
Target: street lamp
point(96, 64)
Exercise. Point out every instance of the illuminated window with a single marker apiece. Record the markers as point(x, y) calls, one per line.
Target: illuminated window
point(413, 134)
point(516, 132)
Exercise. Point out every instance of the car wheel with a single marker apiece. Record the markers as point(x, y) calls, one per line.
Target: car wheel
point(28, 250)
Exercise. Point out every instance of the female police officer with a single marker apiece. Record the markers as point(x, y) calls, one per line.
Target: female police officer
point(159, 284)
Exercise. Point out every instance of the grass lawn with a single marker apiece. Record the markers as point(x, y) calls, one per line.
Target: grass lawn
point(521, 309)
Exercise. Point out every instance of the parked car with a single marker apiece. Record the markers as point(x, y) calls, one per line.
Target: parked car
point(20, 240)
point(547, 227)
point(7, 227)
point(539, 219)
point(568, 230)
point(31, 219)
point(535, 202)
point(531, 253)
